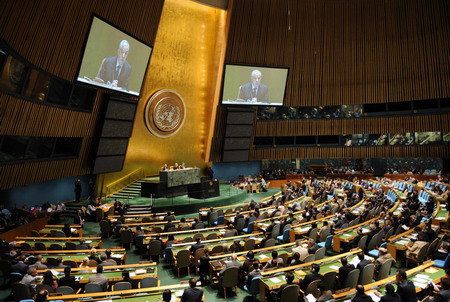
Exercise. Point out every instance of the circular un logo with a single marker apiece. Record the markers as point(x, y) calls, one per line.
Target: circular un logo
point(165, 113)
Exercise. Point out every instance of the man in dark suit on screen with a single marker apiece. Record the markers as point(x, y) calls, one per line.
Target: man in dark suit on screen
point(255, 91)
point(115, 71)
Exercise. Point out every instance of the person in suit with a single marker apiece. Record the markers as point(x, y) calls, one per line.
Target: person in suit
point(20, 266)
point(100, 279)
point(192, 294)
point(315, 268)
point(361, 295)
point(126, 278)
point(391, 295)
point(77, 189)
point(66, 229)
point(382, 258)
point(362, 261)
point(289, 281)
point(254, 91)
point(275, 261)
point(249, 261)
point(254, 273)
point(78, 218)
point(444, 294)
point(344, 270)
point(229, 264)
point(116, 71)
point(67, 280)
point(312, 246)
point(413, 251)
point(405, 288)
point(301, 250)
point(197, 245)
point(354, 242)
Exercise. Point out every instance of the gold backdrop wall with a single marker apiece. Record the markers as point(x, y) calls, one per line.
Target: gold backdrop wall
point(186, 58)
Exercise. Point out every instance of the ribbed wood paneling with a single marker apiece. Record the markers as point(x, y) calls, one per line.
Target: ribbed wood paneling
point(51, 34)
point(374, 125)
point(351, 152)
point(346, 52)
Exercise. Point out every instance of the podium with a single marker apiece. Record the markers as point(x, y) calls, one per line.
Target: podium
point(207, 188)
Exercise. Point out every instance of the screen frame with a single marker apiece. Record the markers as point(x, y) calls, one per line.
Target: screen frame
point(83, 51)
point(254, 66)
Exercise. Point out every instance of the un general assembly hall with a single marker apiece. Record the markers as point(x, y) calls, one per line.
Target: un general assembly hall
point(225, 150)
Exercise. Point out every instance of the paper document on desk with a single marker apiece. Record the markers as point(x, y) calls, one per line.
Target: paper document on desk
point(374, 297)
point(263, 256)
point(73, 229)
point(335, 267)
point(275, 279)
point(116, 255)
point(310, 298)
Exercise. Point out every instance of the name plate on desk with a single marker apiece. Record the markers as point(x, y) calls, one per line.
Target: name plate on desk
point(180, 177)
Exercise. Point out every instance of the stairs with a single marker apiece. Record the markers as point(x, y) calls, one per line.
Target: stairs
point(131, 191)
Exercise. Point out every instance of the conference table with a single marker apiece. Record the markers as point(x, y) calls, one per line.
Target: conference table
point(76, 229)
point(97, 243)
point(420, 275)
point(78, 255)
point(112, 272)
point(180, 177)
point(272, 279)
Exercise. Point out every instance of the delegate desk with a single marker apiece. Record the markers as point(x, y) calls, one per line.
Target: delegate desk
point(263, 255)
point(112, 272)
point(48, 241)
point(149, 294)
point(403, 241)
point(420, 275)
point(441, 216)
point(269, 282)
point(210, 244)
point(348, 234)
point(78, 255)
point(76, 229)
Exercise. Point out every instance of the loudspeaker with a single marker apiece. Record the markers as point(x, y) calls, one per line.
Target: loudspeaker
point(238, 133)
point(112, 141)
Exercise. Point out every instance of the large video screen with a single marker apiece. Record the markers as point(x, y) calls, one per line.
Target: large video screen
point(113, 59)
point(254, 85)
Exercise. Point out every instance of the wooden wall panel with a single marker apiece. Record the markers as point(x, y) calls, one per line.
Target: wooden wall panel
point(346, 52)
point(50, 34)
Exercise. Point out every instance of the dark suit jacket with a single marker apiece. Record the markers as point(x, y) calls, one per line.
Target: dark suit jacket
point(310, 278)
point(192, 295)
point(442, 296)
point(246, 93)
point(363, 263)
point(391, 298)
point(362, 298)
point(313, 249)
point(107, 72)
point(343, 273)
point(407, 291)
point(67, 281)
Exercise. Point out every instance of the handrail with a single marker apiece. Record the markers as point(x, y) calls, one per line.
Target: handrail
point(124, 181)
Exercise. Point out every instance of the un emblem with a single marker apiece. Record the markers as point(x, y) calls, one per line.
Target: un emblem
point(165, 113)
